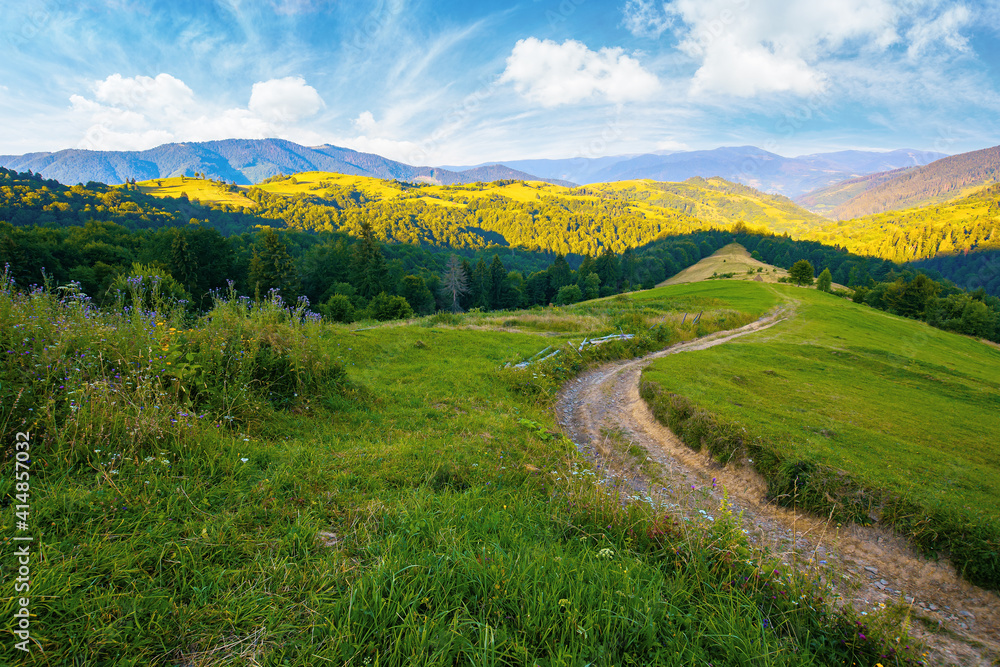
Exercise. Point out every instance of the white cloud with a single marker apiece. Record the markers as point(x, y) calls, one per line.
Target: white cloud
point(945, 28)
point(365, 122)
point(137, 113)
point(644, 19)
point(747, 48)
point(552, 74)
point(164, 94)
point(749, 70)
point(775, 45)
point(285, 100)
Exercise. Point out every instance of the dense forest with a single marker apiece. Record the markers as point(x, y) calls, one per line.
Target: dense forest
point(969, 271)
point(940, 181)
point(539, 217)
point(970, 224)
point(97, 237)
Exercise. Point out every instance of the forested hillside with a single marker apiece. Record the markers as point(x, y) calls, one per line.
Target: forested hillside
point(531, 215)
point(968, 225)
point(826, 200)
point(969, 271)
point(355, 247)
point(941, 181)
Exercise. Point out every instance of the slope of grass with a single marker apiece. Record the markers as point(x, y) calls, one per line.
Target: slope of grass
point(422, 511)
point(885, 418)
point(203, 190)
point(730, 259)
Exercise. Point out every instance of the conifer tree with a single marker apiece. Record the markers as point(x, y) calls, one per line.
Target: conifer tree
point(455, 283)
point(368, 264)
point(183, 266)
point(273, 268)
point(497, 281)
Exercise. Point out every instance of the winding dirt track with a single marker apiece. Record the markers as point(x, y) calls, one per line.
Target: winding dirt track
point(602, 410)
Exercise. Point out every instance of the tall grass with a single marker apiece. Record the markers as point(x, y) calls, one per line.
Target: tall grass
point(140, 373)
point(208, 515)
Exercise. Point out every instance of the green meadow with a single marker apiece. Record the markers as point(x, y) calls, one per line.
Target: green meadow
point(852, 411)
point(256, 486)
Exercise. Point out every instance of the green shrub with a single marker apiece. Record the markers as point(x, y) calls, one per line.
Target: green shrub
point(384, 307)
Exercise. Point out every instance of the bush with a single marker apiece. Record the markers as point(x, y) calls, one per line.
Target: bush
point(338, 308)
point(568, 294)
point(384, 307)
point(133, 381)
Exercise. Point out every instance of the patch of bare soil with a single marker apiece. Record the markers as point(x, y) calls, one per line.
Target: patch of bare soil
point(868, 566)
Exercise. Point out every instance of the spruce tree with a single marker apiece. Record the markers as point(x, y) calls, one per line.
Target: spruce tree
point(273, 268)
point(498, 279)
point(368, 265)
point(183, 266)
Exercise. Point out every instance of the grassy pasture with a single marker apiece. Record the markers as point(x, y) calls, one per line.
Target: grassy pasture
point(419, 510)
point(732, 258)
point(908, 412)
point(205, 191)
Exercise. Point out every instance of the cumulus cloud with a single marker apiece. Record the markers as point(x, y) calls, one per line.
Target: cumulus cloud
point(285, 100)
point(137, 113)
point(774, 45)
point(746, 49)
point(162, 94)
point(552, 74)
point(643, 18)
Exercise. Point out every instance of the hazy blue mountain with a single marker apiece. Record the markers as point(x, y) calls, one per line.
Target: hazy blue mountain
point(243, 161)
point(247, 161)
point(749, 165)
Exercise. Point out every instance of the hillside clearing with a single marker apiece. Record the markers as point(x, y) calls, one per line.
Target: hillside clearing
point(907, 413)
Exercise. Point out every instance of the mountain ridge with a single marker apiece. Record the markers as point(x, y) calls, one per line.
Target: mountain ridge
point(939, 182)
point(240, 161)
point(249, 161)
point(748, 165)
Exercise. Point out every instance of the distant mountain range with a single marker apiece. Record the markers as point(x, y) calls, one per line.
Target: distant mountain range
point(749, 165)
point(945, 180)
point(249, 161)
point(240, 161)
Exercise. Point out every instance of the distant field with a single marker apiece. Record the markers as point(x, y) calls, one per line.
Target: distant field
point(208, 192)
point(733, 258)
point(895, 404)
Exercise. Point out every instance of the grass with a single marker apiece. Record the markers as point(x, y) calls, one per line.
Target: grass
point(732, 258)
point(203, 190)
point(404, 502)
point(874, 417)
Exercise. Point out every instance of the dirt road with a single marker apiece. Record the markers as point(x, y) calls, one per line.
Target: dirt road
point(603, 413)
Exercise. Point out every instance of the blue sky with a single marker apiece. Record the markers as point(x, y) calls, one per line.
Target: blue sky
point(467, 82)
